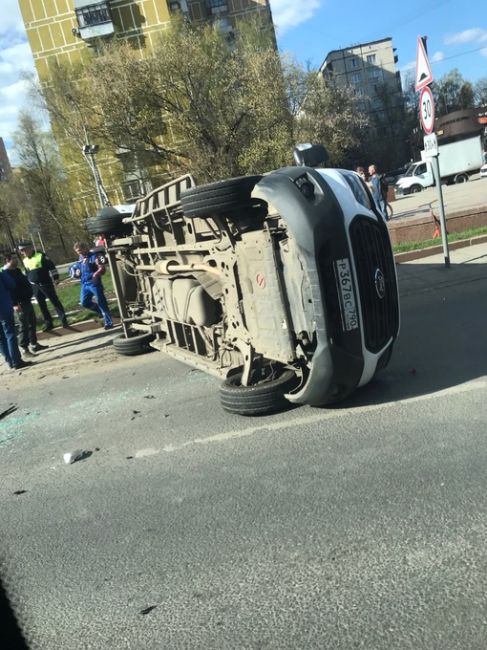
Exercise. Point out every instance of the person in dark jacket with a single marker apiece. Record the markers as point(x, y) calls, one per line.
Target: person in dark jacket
point(40, 273)
point(89, 269)
point(9, 346)
point(23, 307)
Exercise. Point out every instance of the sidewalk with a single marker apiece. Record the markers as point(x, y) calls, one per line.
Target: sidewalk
point(429, 273)
point(465, 207)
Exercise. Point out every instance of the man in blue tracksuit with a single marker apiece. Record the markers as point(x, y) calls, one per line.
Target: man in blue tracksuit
point(88, 269)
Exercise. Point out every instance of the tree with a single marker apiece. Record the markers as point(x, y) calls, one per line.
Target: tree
point(330, 116)
point(224, 100)
point(43, 181)
point(14, 216)
point(68, 100)
point(199, 103)
point(452, 93)
point(480, 92)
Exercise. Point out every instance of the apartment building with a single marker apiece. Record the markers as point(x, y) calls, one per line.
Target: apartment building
point(370, 70)
point(64, 30)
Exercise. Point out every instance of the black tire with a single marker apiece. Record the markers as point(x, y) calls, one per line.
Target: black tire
point(259, 399)
point(101, 254)
point(108, 221)
point(133, 345)
point(414, 189)
point(223, 197)
point(461, 178)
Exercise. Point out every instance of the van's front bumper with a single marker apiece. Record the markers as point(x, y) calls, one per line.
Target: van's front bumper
point(325, 240)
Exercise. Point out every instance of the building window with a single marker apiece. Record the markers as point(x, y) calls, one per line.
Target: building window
point(354, 62)
point(356, 78)
point(95, 14)
point(371, 59)
point(374, 74)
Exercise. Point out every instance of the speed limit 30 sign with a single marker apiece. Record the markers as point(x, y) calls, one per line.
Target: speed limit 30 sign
point(427, 110)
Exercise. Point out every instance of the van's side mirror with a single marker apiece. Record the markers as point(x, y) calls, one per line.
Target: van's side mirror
point(310, 155)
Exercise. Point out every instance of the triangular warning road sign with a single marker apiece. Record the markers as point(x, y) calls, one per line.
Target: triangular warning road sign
point(424, 76)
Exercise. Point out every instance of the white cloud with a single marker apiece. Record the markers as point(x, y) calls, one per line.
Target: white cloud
point(15, 58)
point(408, 66)
point(474, 35)
point(483, 52)
point(14, 91)
point(437, 56)
point(10, 18)
point(291, 13)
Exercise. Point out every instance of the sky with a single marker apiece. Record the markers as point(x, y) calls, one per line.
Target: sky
point(307, 29)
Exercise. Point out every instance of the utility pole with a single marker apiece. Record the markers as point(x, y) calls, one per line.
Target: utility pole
point(89, 152)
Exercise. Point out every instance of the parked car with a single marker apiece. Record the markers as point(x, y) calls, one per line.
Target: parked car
point(283, 285)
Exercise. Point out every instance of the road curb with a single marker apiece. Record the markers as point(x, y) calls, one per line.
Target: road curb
point(409, 256)
point(76, 328)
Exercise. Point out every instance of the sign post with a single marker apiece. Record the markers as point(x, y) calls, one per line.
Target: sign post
point(424, 77)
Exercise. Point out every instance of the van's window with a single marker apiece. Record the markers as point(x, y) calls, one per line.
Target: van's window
point(420, 169)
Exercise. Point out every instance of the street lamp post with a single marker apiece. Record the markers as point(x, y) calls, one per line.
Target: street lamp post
point(89, 152)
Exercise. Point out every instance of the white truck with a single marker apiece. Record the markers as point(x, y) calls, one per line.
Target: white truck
point(458, 160)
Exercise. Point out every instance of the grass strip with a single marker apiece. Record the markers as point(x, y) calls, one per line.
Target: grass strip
point(405, 247)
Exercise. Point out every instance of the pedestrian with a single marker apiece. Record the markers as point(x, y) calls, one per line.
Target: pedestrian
point(9, 346)
point(361, 172)
point(23, 307)
point(89, 269)
point(41, 272)
point(375, 188)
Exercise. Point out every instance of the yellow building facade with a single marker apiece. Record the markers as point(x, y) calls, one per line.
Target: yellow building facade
point(62, 31)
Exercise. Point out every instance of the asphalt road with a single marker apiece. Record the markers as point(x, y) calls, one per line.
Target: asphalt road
point(362, 526)
point(464, 197)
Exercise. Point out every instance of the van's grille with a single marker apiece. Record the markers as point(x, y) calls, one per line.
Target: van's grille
point(376, 278)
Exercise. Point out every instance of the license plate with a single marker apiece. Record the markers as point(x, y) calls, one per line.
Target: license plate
point(346, 294)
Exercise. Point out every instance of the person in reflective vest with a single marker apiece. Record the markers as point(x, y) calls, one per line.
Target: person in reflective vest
point(89, 269)
point(40, 272)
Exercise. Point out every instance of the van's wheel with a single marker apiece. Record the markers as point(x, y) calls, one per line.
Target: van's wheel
point(261, 398)
point(108, 221)
point(461, 178)
point(414, 189)
point(224, 197)
point(133, 344)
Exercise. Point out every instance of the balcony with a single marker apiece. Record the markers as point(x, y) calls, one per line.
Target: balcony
point(217, 6)
point(94, 19)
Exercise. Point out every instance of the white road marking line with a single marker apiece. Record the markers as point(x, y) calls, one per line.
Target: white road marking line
point(320, 416)
point(149, 451)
